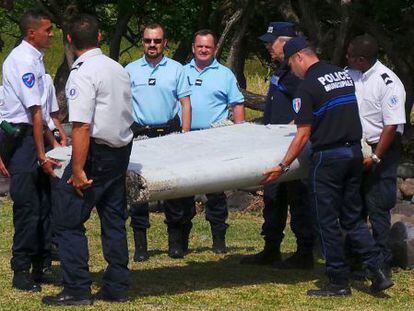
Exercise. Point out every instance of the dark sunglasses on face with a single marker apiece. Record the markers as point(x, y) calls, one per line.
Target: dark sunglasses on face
point(148, 41)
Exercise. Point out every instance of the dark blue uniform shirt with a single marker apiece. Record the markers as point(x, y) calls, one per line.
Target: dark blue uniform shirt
point(326, 100)
point(283, 85)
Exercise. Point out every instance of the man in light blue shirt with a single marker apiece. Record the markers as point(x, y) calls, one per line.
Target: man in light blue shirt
point(213, 89)
point(159, 86)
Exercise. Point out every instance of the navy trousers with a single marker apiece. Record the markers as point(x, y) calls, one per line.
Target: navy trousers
point(277, 197)
point(31, 207)
point(335, 181)
point(107, 167)
point(379, 192)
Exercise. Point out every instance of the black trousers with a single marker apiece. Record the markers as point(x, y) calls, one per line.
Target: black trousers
point(379, 193)
point(335, 181)
point(277, 198)
point(30, 192)
point(107, 167)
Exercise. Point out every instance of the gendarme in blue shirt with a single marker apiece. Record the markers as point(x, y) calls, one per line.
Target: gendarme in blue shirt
point(212, 90)
point(156, 90)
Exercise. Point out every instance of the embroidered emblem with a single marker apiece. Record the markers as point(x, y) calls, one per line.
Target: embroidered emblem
point(296, 104)
point(29, 79)
point(152, 81)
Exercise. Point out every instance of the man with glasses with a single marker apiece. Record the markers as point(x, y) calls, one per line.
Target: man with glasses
point(158, 87)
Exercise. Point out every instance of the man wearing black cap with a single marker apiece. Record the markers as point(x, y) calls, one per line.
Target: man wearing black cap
point(327, 114)
point(277, 197)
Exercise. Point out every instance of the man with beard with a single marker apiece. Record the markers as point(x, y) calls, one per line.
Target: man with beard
point(158, 85)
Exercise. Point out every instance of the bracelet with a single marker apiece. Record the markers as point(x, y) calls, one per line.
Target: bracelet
point(41, 163)
point(285, 168)
point(375, 158)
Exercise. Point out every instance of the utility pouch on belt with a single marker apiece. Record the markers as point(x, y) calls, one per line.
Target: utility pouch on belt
point(173, 125)
point(9, 134)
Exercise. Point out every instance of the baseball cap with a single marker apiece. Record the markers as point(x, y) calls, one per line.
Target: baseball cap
point(294, 45)
point(277, 29)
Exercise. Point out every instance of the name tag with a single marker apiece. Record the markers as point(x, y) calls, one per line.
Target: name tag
point(198, 82)
point(152, 81)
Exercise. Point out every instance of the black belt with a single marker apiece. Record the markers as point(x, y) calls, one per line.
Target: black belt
point(337, 145)
point(25, 129)
point(171, 126)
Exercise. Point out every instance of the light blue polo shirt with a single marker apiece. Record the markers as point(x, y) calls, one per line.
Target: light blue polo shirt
point(212, 90)
point(156, 90)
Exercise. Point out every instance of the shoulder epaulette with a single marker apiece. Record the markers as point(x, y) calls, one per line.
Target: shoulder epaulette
point(77, 66)
point(386, 78)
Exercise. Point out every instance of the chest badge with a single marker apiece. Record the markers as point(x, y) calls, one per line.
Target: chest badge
point(29, 79)
point(198, 82)
point(152, 81)
point(296, 104)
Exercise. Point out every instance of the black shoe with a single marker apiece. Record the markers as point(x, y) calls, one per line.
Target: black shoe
point(265, 257)
point(380, 282)
point(175, 249)
point(331, 290)
point(141, 245)
point(296, 261)
point(219, 245)
point(63, 299)
point(23, 281)
point(108, 298)
point(45, 276)
point(186, 229)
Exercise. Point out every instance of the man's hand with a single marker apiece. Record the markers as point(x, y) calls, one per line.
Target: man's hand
point(3, 169)
point(368, 163)
point(80, 181)
point(49, 165)
point(272, 174)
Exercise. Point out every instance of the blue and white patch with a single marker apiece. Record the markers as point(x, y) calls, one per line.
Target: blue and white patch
point(296, 104)
point(270, 29)
point(72, 93)
point(29, 79)
point(393, 101)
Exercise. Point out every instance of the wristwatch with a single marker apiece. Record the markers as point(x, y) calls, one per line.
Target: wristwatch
point(285, 168)
point(375, 158)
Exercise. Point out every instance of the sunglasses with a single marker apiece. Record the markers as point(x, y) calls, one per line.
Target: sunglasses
point(148, 41)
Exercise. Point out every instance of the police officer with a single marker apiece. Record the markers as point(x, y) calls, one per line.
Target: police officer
point(278, 196)
point(23, 72)
point(99, 101)
point(158, 87)
point(213, 88)
point(381, 101)
point(327, 114)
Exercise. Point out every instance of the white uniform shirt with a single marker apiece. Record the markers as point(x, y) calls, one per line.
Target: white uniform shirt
point(381, 100)
point(49, 102)
point(1, 101)
point(99, 93)
point(23, 72)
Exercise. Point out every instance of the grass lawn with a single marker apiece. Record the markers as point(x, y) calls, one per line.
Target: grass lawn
point(203, 280)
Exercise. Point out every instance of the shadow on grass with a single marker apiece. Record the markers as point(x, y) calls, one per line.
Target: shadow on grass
point(197, 276)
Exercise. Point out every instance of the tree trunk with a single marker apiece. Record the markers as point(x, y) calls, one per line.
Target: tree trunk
point(341, 35)
point(120, 28)
point(237, 53)
point(233, 20)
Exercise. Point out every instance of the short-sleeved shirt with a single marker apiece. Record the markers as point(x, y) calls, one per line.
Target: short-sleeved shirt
point(23, 72)
point(326, 100)
point(282, 88)
point(49, 102)
point(98, 93)
point(212, 90)
point(381, 100)
point(156, 90)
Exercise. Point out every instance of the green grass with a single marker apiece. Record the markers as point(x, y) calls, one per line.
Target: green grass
point(203, 280)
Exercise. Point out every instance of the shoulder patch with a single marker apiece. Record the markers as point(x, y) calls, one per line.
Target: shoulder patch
point(296, 104)
point(29, 79)
point(72, 93)
point(77, 66)
point(393, 101)
point(386, 78)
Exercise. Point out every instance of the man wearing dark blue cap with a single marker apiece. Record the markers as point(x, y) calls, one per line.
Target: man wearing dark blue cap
point(277, 197)
point(327, 114)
